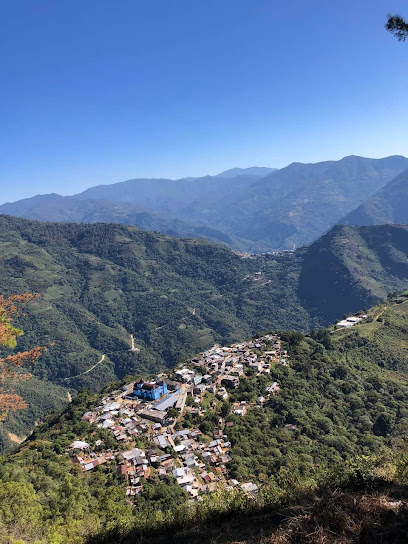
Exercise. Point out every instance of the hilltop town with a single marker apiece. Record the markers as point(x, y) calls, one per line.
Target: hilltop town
point(154, 423)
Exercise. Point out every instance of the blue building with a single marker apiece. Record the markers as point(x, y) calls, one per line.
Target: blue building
point(149, 391)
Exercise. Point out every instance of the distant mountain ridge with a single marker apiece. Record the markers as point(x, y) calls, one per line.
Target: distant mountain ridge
point(297, 204)
point(241, 208)
point(260, 171)
point(54, 207)
point(389, 205)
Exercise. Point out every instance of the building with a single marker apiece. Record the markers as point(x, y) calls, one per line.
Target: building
point(158, 416)
point(149, 390)
point(167, 402)
point(230, 381)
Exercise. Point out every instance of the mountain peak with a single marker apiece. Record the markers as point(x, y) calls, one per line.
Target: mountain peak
point(259, 171)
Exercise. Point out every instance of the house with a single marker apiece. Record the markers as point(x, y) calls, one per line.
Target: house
point(240, 408)
point(230, 381)
point(158, 416)
point(250, 488)
point(79, 445)
point(222, 393)
point(167, 402)
point(149, 390)
point(273, 389)
point(88, 416)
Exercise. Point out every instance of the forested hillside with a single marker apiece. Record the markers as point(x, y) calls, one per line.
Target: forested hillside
point(100, 284)
point(353, 266)
point(55, 207)
point(389, 205)
point(338, 423)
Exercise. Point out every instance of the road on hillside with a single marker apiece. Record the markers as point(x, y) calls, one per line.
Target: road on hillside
point(89, 369)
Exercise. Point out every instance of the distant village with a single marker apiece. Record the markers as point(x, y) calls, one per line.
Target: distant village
point(154, 411)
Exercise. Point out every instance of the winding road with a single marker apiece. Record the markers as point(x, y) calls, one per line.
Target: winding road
point(89, 369)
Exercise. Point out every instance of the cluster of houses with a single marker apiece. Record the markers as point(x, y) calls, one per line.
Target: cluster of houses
point(153, 411)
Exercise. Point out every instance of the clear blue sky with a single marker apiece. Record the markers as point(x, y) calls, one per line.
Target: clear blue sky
point(99, 91)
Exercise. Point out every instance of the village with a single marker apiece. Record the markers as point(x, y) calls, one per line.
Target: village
point(155, 412)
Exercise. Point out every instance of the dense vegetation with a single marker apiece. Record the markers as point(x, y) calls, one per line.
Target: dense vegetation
point(101, 283)
point(249, 210)
point(346, 393)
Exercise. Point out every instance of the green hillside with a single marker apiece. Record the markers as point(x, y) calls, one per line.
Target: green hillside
point(100, 284)
point(55, 207)
point(389, 205)
point(344, 396)
point(353, 267)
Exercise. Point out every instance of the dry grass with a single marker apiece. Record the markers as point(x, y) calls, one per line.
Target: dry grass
point(341, 518)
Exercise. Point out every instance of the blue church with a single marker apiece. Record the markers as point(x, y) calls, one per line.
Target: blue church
point(149, 391)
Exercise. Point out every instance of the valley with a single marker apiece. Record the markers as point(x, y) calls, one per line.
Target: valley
point(99, 284)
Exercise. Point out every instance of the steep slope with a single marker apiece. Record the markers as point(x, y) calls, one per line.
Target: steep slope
point(297, 204)
point(389, 205)
point(353, 267)
point(101, 283)
point(331, 438)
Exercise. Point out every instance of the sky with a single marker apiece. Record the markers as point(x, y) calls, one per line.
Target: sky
point(100, 91)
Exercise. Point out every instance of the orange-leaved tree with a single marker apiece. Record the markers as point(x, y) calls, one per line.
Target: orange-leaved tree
point(14, 367)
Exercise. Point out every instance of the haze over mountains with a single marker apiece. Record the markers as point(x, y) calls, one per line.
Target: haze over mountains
point(389, 205)
point(254, 209)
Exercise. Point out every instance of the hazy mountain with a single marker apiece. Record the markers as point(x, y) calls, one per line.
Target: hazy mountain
point(295, 205)
point(173, 197)
point(287, 208)
point(260, 171)
point(55, 207)
point(389, 205)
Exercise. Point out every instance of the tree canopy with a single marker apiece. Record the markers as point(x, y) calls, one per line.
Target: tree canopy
point(397, 26)
point(13, 367)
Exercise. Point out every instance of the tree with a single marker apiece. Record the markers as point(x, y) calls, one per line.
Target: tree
point(14, 367)
point(383, 425)
point(397, 26)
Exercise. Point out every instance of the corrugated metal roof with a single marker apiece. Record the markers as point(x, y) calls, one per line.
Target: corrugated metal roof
point(167, 402)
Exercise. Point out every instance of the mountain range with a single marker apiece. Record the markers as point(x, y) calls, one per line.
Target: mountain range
point(255, 209)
